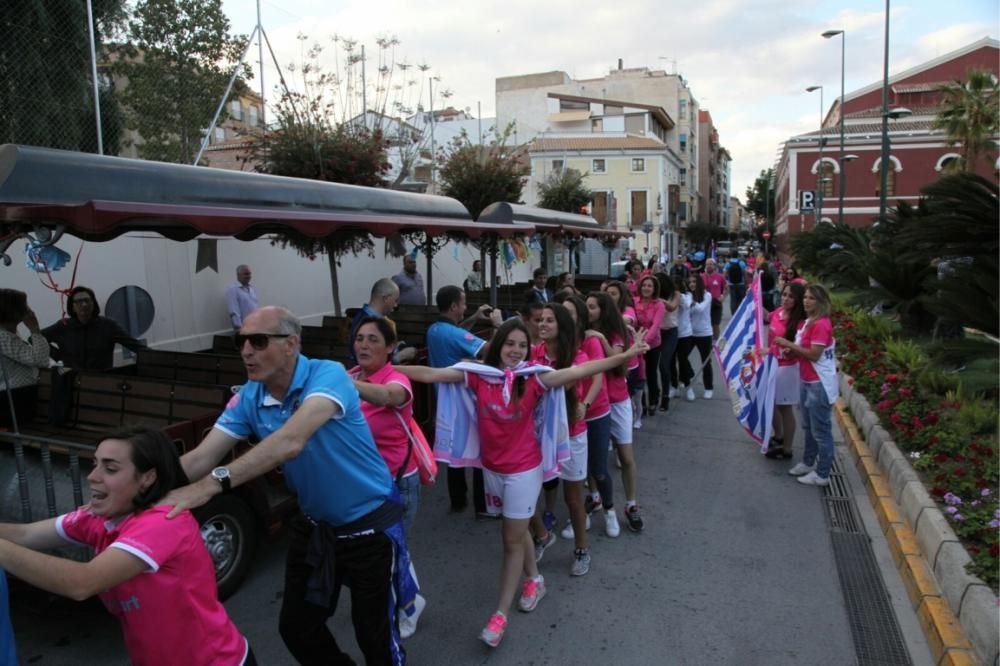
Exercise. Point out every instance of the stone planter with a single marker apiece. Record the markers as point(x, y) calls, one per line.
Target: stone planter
point(958, 611)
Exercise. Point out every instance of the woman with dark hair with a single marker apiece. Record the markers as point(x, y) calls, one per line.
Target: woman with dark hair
point(635, 378)
point(85, 340)
point(668, 340)
point(685, 342)
point(701, 333)
point(153, 574)
point(785, 323)
point(387, 403)
point(815, 348)
point(20, 359)
point(650, 311)
point(506, 392)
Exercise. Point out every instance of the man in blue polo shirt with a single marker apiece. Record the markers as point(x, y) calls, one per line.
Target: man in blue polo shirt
point(448, 342)
point(307, 414)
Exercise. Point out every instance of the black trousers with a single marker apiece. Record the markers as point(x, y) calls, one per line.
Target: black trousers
point(366, 563)
point(25, 401)
point(652, 361)
point(458, 489)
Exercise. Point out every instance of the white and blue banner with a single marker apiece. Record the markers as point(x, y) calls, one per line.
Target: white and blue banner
point(748, 368)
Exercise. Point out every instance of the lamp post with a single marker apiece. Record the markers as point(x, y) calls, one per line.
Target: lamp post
point(844, 159)
point(819, 170)
point(887, 114)
point(840, 202)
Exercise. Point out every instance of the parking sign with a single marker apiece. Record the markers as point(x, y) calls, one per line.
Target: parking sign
point(807, 200)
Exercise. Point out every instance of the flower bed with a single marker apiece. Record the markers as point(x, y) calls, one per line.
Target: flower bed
point(951, 440)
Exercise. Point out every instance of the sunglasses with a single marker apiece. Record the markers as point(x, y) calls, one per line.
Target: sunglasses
point(258, 341)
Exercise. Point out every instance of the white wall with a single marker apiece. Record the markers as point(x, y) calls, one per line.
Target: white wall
point(190, 307)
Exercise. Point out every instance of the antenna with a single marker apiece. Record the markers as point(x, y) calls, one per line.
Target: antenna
point(673, 63)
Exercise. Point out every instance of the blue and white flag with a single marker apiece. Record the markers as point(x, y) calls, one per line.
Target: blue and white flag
point(748, 368)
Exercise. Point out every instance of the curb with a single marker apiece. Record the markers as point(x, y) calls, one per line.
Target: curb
point(951, 604)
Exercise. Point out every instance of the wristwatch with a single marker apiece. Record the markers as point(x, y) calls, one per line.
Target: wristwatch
point(221, 474)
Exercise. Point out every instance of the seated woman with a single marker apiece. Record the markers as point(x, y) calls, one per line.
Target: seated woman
point(21, 358)
point(85, 340)
point(153, 574)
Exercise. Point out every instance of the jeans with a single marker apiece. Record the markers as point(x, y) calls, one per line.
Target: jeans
point(598, 440)
point(652, 360)
point(367, 561)
point(816, 415)
point(409, 490)
point(458, 487)
point(736, 294)
point(668, 350)
point(704, 345)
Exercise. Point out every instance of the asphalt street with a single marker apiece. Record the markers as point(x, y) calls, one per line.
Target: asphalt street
point(735, 566)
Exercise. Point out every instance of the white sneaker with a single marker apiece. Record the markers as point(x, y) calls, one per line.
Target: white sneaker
point(689, 394)
point(813, 479)
point(637, 423)
point(568, 533)
point(611, 527)
point(672, 393)
point(707, 394)
point(408, 623)
point(801, 469)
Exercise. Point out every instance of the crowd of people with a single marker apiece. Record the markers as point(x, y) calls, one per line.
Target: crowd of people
point(540, 402)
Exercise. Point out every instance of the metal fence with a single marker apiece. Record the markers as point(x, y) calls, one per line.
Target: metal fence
point(47, 76)
point(28, 474)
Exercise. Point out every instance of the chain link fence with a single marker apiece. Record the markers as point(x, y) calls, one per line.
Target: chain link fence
point(46, 82)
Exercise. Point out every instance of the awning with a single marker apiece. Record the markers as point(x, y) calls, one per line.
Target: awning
point(569, 116)
point(97, 198)
point(548, 222)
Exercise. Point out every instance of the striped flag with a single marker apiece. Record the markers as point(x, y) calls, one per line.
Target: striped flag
point(748, 368)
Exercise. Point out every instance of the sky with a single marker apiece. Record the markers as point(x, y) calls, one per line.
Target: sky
point(746, 61)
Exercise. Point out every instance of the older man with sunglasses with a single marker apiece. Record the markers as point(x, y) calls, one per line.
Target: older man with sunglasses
point(307, 414)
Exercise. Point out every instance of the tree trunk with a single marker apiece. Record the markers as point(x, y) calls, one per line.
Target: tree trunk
point(334, 281)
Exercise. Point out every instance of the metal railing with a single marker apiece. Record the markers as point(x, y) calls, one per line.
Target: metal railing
point(45, 446)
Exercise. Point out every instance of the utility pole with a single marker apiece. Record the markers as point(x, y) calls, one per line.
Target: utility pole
point(260, 58)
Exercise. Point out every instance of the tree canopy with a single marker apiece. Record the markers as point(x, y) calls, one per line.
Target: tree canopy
point(970, 115)
point(564, 190)
point(480, 175)
point(177, 60)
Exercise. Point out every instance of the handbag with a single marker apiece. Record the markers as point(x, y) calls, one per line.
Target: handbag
point(426, 464)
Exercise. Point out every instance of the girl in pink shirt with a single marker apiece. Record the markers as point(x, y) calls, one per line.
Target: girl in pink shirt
point(650, 310)
point(785, 323)
point(153, 574)
point(510, 452)
point(635, 379)
point(387, 403)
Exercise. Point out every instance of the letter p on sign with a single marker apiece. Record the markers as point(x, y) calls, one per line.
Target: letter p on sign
point(807, 200)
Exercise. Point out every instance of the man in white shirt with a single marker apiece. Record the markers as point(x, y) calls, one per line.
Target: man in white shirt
point(241, 297)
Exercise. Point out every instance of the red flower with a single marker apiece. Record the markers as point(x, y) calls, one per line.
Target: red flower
point(995, 550)
point(960, 472)
point(885, 404)
point(916, 423)
point(932, 417)
point(940, 477)
point(941, 459)
point(938, 491)
point(976, 461)
point(891, 377)
point(895, 418)
point(904, 392)
point(850, 381)
point(933, 439)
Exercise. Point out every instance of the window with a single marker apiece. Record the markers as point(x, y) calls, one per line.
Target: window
point(557, 165)
point(684, 142)
point(571, 105)
point(235, 110)
point(599, 208)
point(613, 110)
point(890, 183)
point(825, 175)
point(684, 177)
point(638, 164)
point(597, 125)
point(253, 115)
point(639, 212)
point(682, 211)
point(635, 123)
point(220, 134)
point(598, 166)
point(682, 108)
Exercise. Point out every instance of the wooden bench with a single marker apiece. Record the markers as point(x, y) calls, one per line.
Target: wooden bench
point(215, 369)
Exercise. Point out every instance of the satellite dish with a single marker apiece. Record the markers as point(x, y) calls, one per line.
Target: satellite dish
point(132, 308)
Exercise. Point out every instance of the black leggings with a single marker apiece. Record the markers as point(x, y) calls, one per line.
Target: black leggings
point(652, 360)
point(668, 360)
point(684, 348)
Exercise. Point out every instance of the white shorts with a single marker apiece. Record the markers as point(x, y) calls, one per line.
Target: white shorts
point(575, 469)
point(787, 385)
point(512, 495)
point(621, 422)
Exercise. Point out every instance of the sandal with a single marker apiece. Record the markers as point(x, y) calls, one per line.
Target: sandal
point(775, 449)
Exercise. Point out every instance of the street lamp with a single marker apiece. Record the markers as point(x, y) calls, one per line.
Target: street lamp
point(840, 204)
point(844, 159)
point(819, 171)
point(887, 114)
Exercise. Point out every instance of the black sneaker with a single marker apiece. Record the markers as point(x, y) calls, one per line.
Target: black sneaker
point(590, 505)
point(634, 518)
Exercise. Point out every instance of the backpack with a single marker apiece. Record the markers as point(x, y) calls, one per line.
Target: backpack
point(735, 273)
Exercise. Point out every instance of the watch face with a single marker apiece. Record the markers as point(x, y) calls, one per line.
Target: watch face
point(220, 473)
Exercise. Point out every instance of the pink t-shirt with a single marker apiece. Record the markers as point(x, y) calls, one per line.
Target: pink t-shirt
point(538, 355)
point(649, 315)
point(171, 613)
point(388, 432)
point(617, 386)
point(820, 332)
point(507, 440)
point(601, 406)
point(715, 284)
point(777, 329)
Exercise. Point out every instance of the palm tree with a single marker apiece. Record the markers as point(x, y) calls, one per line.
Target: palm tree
point(969, 115)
